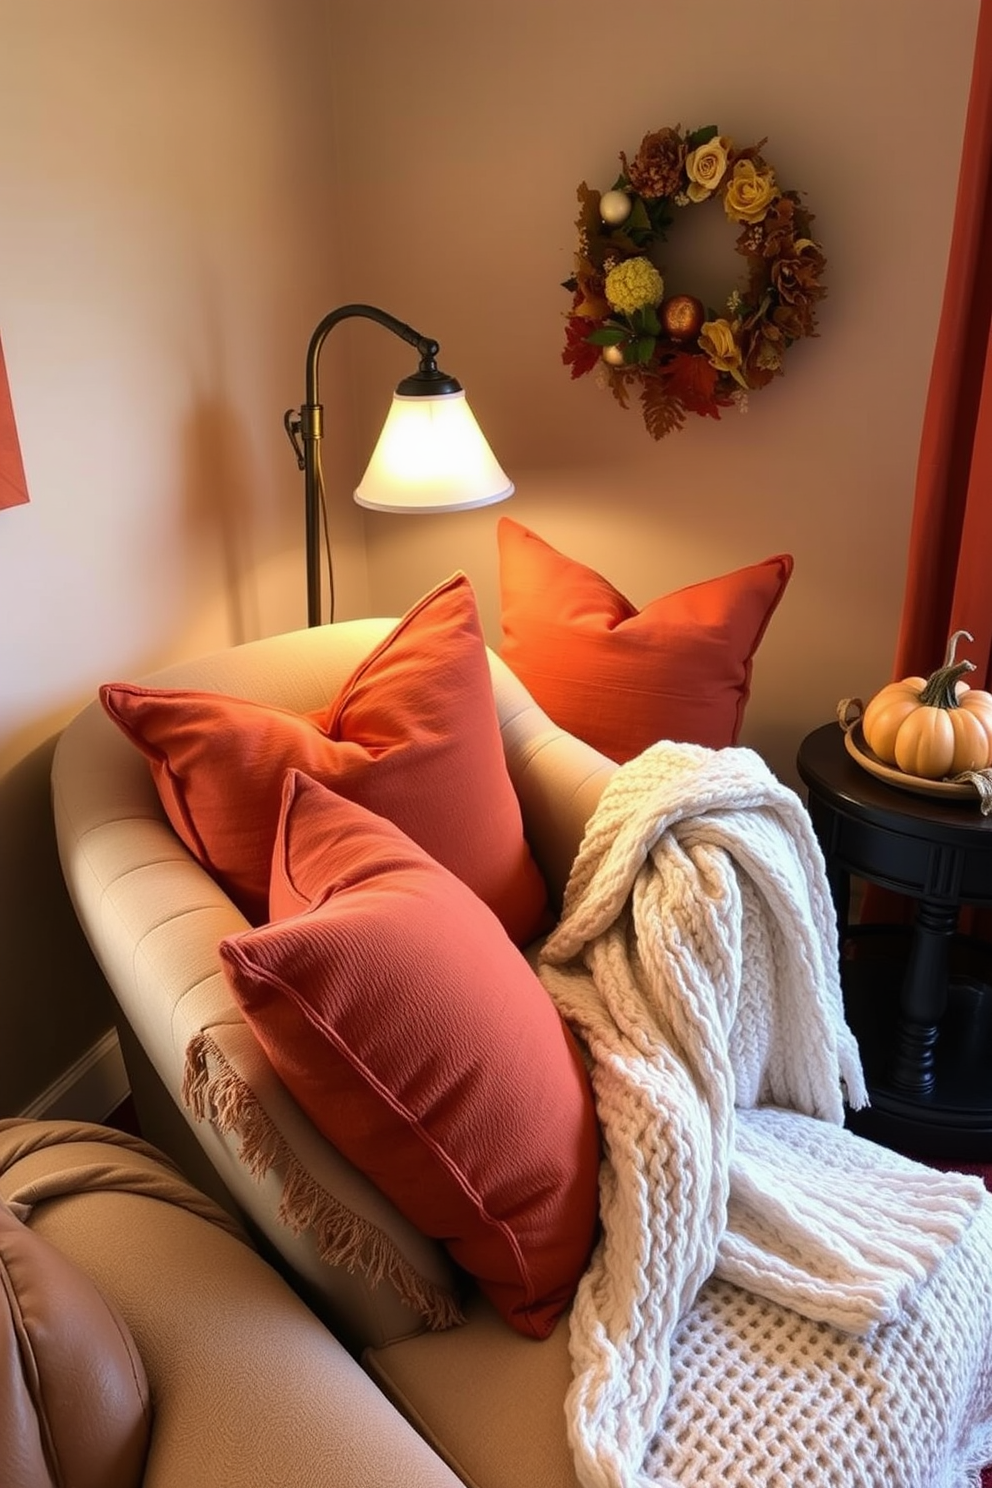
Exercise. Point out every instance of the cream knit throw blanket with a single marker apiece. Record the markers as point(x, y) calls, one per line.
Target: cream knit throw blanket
point(697, 959)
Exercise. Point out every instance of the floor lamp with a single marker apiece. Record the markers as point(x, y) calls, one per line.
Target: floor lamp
point(430, 457)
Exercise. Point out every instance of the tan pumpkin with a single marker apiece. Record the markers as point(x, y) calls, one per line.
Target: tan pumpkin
point(934, 726)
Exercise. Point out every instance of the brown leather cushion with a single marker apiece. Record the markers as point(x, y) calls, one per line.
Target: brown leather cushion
point(74, 1406)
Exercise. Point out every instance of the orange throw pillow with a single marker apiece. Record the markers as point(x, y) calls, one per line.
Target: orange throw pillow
point(413, 735)
point(622, 678)
point(391, 1003)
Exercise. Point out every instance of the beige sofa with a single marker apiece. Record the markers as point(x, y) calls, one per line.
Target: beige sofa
point(489, 1399)
point(146, 1342)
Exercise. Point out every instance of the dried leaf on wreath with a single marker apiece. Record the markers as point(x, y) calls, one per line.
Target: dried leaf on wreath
point(588, 299)
point(663, 413)
point(751, 152)
point(594, 247)
point(590, 305)
point(692, 380)
point(617, 384)
point(620, 242)
point(588, 218)
point(577, 352)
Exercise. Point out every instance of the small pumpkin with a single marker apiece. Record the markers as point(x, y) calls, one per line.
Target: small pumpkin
point(934, 726)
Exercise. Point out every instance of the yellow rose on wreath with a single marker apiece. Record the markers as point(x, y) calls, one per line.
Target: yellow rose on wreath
point(706, 168)
point(750, 192)
point(718, 339)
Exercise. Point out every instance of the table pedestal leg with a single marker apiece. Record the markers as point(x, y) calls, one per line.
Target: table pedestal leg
point(922, 999)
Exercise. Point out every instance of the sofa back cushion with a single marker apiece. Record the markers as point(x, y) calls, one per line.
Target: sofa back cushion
point(394, 1007)
point(74, 1402)
point(622, 678)
point(413, 735)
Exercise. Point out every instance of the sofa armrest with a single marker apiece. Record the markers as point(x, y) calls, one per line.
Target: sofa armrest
point(249, 1389)
point(154, 919)
point(558, 778)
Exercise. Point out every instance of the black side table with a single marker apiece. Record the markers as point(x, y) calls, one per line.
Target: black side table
point(925, 1032)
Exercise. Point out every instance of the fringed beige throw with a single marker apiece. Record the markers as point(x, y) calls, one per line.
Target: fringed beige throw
point(213, 1089)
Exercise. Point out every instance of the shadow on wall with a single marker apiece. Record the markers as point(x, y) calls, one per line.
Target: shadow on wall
point(220, 495)
point(54, 1003)
point(218, 506)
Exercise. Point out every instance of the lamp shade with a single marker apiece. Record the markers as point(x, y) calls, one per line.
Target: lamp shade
point(432, 457)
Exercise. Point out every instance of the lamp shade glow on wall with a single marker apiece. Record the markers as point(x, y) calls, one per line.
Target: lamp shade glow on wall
point(432, 457)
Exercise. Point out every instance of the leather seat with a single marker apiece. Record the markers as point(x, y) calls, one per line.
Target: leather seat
point(143, 1339)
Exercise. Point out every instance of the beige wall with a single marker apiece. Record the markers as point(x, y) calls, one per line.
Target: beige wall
point(186, 188)
point(166, 245)
point(477, 123)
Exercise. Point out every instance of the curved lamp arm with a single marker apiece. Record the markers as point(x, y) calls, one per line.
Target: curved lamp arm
point(392, 468)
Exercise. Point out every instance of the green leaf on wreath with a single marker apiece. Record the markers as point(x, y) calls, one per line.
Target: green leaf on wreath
point(642, 350)
point(660, 215)
point(608, 336)
point(701, 136)
point(638, 221)
point(630, 245)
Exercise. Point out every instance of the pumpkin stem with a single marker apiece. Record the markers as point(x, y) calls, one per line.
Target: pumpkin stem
point(952, 645)
point(938, 691)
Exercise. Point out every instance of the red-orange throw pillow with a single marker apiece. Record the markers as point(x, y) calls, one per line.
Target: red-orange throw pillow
point(390, 1001)
point(413, 735)
point(622, 678)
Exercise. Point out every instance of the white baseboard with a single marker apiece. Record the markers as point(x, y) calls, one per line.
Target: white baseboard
point(89, 1090)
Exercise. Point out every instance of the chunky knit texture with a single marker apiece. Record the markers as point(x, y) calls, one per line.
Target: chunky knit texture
point(697, 959)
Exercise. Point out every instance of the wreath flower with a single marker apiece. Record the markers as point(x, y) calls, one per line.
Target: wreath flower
point(680, 356)
point(632, 285)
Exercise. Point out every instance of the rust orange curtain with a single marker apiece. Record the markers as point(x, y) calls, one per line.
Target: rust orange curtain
point(13, 486)
point(949, 571)
point(948, 584)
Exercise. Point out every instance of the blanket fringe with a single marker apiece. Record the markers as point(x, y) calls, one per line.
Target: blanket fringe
point(213, 1090)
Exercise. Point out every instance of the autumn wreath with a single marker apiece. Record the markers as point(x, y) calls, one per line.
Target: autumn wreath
point(685, 358)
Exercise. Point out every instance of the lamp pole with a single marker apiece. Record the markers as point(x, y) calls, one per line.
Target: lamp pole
point(426, 459)
point(306, 430)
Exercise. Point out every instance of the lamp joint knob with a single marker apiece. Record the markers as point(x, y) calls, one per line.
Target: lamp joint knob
point(291, 423)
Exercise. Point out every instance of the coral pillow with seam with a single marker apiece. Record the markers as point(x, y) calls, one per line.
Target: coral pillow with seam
point(413, 1033)
point(413, 735)
point(622, 678)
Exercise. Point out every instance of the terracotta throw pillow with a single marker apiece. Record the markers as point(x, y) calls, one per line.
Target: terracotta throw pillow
point(391, 1003)
point(622, 678)
point(413, 734)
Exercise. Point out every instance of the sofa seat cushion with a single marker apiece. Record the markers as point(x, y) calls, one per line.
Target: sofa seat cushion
point(413, 735)
point(622, 678)
point(74, 1400)
point(249, 1388)
point(394, 1007)
point(760, 1396)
